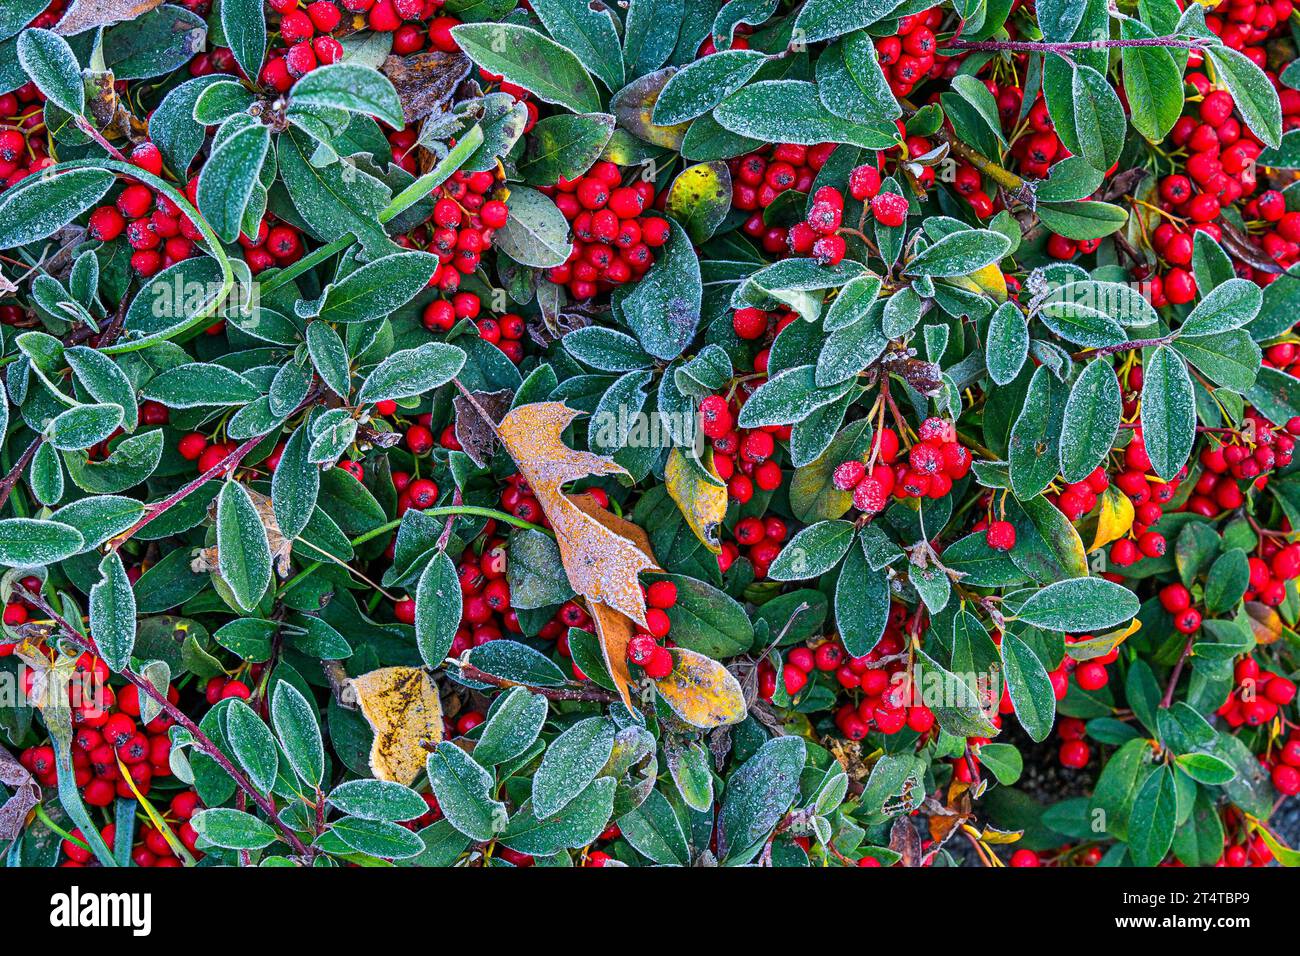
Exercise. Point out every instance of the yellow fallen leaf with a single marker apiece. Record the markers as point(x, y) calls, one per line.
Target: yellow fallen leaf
point(402, 707)
point(1114, 519)
point(701, 691)
point(1102, 644)
point(700, 495)
point(601, 563)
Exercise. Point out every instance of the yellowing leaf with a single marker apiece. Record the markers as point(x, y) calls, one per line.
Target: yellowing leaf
point(1102, 644)
point(1114, 518)
point(986, 281)
point(700, 495)
point(701, 691)
point(601, 563)
point(86, 14)
point(1264, 621)
point(402, 707)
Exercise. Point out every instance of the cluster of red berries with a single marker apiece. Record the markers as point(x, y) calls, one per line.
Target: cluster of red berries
point(18, 611)
point(1177, 600)
point(762, 537)
point(1270, 569)
point(743, 458)
point(1257, 696)
point(196, 447)
point(505, 332)
point(908, 54)
point(644, 649)
point(1250, 456)
point(757, 179)
point(1283, 764)
point(151, 847)
point(107, 737)
point(305, 42)
point(1150, 497)
point(277, 244)
point(614, 238)
point(932, 465)
point(24, 145)
point(156, 229)
point(818, 234)
point(1074, 751)
point(460, 227)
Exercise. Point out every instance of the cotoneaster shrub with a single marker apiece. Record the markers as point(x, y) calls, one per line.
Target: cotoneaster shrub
point(665, 432)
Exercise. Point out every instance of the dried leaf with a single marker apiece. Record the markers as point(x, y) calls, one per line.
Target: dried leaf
point(601, 562)
point(425, 81)
point(703, 503)
point(477, 436)
point(904, 840)
point(701, 691)
point(85, 15)
point(25, 793)
point(1114, 517)
point(402, 706)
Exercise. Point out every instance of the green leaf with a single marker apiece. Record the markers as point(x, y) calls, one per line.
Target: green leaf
point(1232, 359)
point(1091, 420)
point(28, 543)
point(1004, 761)
point(437, 609)
point(565, 146)
point(1229, 305)
point(1034, 450)
point(663, 308)
point(1227, 581)
point(295, 723)
point(378, 838)
point(513, 723)
point(104, 380)
point(378, 288)
point(199, 384)
point(83, 426)
point(535, 571)
point(700, 198)
point(528, 59)
point(580, 822)
point(788, 397)
point(960, 253)
point(464, 792)
point(1153, 83)
point(654, 831)
point(707, 620)
point(1029, 686)
point(536, 234)
point(295, 484)
point(1098, 118)
point(758, 796)
point(826, 19)
point(1206, 768)
point(1008, 344)
point(1252, 93)
point(1083, 219)
point(49, 61)
point(588, 32)
point(40, 206)
point(1154, 817)
point(606, 349)
point(112, 613)
point(700, 86)
point(1168, 412)
point(253, 744)
point(813, 551)
point(383, 800)
point(229, 176)
point(1079, 604)
point(232, 829)
point(790, 111)
point(244, 27)
point(351, 87)
point(243, 554)
point(570, 763)
point(412, 372)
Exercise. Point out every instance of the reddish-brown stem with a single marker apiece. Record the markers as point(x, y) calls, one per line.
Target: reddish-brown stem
point(1036, 46)
point(1129, 346)
point(1178, 671)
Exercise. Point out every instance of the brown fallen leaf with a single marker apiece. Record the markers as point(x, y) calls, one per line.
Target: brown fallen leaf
point(402, 707)
point(701, 691)
point(425, 81)
point(477, 435)
point(601, 562)
point(85, 15)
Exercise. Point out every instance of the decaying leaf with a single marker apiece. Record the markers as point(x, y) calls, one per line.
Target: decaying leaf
point(702, 502)
point(425, 81)
point(701, 691)
point(24, 791)
point(1265, 622)
point(402, 707)
point(906, 842)
point(1102, 644)
point(86, 15)
point(281, 547)
point(636, 101)
point(477, 436)
point(601, 562)
point(1114, 517)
